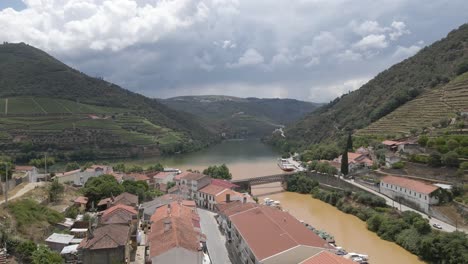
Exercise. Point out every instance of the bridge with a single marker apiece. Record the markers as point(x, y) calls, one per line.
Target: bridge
point(246, 184)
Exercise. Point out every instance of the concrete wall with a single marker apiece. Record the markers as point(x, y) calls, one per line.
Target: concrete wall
point(179, 255)
point(104, 256)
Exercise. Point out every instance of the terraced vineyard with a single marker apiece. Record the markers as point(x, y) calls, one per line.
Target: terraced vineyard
point(421, 112)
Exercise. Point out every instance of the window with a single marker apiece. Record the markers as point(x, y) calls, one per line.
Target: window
point(419, 195)
point(425, 197)
point(400, 188)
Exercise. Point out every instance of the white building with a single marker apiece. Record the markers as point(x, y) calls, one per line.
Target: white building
point(418, 193)
point(80, 177)
point(191, 182)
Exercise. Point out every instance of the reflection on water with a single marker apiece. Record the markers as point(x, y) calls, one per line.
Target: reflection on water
point(244, 158)
point(349, 231)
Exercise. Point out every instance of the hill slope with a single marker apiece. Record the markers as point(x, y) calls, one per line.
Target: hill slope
point(33, 84)
point(430, 68)
point(431, 106)
point(242, 117)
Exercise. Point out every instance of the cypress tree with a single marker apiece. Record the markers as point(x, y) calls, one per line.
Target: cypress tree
point(344, 162)
point(349, 145)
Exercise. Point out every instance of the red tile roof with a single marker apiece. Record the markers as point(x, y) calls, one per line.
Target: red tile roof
point(181, 175)
point(106, 237)
point(172, 227)
point(24, 168)
point(212, 189)
point(138, 176)
point(189, 203)
point(417, 186)
point(163, 175)
point(223, 183)
point(81, 200)
point(119, 214)
point(234, 207)
point(326, 257)
point(194, 176)
point(390, 142)
point(279, 231)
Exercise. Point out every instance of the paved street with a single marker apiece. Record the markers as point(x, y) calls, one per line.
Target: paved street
point(445, 227)
point(215, 241)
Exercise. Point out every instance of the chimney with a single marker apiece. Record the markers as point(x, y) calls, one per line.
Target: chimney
point(169, 210)
point(228, 197)
point(244, 199)
point(167, 225)
point(108, 203)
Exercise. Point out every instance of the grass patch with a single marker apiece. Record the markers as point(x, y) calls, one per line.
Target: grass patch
point(29, 212)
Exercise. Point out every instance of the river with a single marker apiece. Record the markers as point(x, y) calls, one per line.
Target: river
point(250, 158)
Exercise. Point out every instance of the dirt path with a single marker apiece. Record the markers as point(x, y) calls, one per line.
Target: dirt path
point(28, 187)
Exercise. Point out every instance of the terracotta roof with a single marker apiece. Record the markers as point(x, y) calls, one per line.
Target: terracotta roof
point(417, 186)
point(326, 257)
point(104, 201)
point(105, 237)
point(173, 189)
point(24, 168)
point(212, 189)
point(68, 173)
point(163, 175)
point(223, 183)
point(279, 231)
point(189, 203)
point(234, 207)
point(126, 198)
point(390, 142)
point(81, 200)
point(221, 197)
point(181, 175)
point(138, 176)
point(162, 187)
point(172, 227)
point(119, 214)
point(194, 176)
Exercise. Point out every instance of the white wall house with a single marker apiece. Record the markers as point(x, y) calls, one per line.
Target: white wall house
point(419, 193)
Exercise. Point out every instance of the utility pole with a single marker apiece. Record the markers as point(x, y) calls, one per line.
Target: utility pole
point(45, 164)
point(6, 184)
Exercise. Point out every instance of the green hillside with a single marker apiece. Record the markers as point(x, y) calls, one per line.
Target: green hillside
point(46, 105)
point(242, 117)
point(431, 68)
point(433, 105)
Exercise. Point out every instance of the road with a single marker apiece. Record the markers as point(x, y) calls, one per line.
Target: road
point(28, 187)
point(215, 241)
point(445, 227)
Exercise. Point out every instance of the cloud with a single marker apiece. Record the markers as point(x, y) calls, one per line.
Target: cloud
point(321, 93)
point(371, 42)
point(250, 57)
point(402, 52)
point(163, 48)
point(399, 29)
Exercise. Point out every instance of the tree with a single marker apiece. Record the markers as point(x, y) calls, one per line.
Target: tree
point(139, 188)
point(413, 131)
point(44, 255)
point(349, 144)
point(452, 144)
point(156, 167)
point(5, 164)
point(72, 166)
point(134, 168)
point(119, 167)
point(55, 191)
point(451, 159)
point(423, 140)
point(434, 159)
point(170, 184)
point(344, 163)
point(218, 172)
point(97, 188)
point(25, 250)
point(40, 163)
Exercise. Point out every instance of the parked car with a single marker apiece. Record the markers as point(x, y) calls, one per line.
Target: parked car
point(437, 226)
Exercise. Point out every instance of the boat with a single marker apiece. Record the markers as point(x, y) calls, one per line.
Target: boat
point(285, 165)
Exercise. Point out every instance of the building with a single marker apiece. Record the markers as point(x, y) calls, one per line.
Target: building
point(408, 146)
point(119, 214)
point(164, 177)
point(390, 159)
point(136, 177)
point(107, 244)
point(150, 207)
point(123, 198)
point(224, 183)
point(80, 177)
point(30, 171)
point(175, 236)
point(193, 182)
point(212, 194)
point(263, 234)
point(57, 241)
point(326, 257)
point(81, 202)
point(416, 193)
point(356, 161)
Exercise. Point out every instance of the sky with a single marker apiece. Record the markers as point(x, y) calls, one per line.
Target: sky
point(312, 50)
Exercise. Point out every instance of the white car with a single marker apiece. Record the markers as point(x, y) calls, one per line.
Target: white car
point(437, 226)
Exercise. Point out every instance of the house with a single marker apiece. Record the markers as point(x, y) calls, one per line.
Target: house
point(136, 177)
point(164, 177)
point(417, 193)
point(224, 183)
point(30, 171)
point(107, 244)
point(355, 161)
point(326, 257)
point(409, 146)
point(81, 202)
point(57, 241)
point(391, 145)
point(150, 207)
point(175, 236)
point(263, 234)
point(123, 198)
point(212, 194)
point(119, 214)
point(390, 159)
point(80, 177)
point(193, 182)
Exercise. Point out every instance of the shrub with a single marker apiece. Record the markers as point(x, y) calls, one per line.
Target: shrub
point(434, 159)
point(451, 159)
point(398, 165)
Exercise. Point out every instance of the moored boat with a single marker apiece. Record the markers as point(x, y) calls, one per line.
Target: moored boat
point(285, 165)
